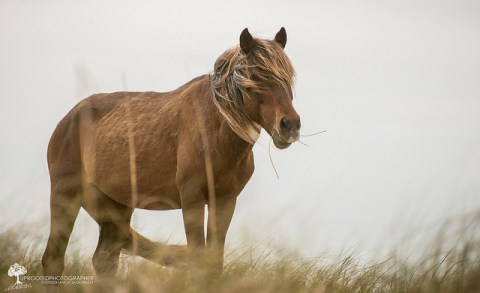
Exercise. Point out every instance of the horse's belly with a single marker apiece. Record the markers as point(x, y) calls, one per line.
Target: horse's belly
point(152, 177)
point(141, 196)
point(166, 198)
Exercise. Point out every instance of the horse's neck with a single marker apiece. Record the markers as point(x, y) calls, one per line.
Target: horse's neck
point(231, 143)
point(228, 143)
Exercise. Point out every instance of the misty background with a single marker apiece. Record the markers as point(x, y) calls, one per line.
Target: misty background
point(396, 84)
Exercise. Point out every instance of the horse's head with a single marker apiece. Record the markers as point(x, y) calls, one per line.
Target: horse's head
point(252, 85)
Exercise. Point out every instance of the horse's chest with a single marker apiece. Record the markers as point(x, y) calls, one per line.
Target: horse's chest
point(232, 181)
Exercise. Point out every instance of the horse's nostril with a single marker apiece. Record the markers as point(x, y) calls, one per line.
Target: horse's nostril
point(285, 124)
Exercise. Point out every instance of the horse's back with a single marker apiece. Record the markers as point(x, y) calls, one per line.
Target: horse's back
point(64, 149)
point(66, 138)
point(95, 141)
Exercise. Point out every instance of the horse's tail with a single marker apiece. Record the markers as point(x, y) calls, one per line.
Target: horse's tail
point(167, 255)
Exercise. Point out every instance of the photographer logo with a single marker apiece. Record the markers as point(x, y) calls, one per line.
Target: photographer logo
point(17, 270)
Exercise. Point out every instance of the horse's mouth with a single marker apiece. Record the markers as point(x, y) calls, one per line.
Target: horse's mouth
point(279, 142)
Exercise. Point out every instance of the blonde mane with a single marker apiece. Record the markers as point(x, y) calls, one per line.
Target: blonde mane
point(237, 76)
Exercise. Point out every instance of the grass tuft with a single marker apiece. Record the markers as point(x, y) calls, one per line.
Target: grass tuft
point(451, 263)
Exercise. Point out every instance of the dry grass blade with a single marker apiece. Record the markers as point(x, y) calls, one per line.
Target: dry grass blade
point(313, 134)
point(303, 143)
point(270, 156)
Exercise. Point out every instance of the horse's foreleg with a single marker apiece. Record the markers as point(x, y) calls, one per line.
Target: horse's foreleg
point(218, 222)
point(193, 219)
point(65, 204)
point(193, 212)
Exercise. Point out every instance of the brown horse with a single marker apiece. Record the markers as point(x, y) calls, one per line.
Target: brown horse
point(182, 149)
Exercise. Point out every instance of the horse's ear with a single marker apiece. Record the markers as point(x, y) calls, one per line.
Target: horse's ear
point(246, 41)
point(281, 37)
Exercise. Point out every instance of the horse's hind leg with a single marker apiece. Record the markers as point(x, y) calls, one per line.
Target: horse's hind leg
point(65, 202)
point(114, 235)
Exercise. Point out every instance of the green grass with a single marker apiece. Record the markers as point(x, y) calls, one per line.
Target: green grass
point(450, 263)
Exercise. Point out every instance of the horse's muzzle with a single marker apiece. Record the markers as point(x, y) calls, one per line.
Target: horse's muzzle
point(290, 129)
point(282, 143)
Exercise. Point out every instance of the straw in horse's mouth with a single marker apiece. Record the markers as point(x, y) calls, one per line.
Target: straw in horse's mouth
point(278, 141)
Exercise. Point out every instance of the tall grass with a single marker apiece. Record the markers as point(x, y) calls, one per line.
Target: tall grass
point(450, 263)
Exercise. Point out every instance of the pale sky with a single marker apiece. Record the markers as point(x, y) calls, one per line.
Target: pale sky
point(396, 84)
